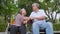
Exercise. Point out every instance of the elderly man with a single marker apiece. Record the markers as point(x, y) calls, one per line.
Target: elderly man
point(38, 16)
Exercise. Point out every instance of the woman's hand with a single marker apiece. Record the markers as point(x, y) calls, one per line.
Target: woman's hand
point(31, 18)
point(26, 19)
point(24, 22)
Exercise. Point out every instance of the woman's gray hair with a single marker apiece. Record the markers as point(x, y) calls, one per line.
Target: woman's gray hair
point(20, 11)
point(35, 4)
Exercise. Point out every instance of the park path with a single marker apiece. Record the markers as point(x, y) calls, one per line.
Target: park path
point(56, 32)
point(2, 32)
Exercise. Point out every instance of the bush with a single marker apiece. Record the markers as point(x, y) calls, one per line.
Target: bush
point(3, 24)
point(56, 27)
point(3, 27)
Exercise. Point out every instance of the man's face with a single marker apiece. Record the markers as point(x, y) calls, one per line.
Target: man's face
point(34, 8)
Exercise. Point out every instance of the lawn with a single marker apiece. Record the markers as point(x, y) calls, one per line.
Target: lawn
point(56, 27)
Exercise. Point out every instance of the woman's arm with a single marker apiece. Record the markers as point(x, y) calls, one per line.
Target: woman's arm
point(26, 19)
point(24, 22)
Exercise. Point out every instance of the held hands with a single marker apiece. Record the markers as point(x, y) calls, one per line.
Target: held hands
point(31, 17)
point(26, 19)
point(24, 22)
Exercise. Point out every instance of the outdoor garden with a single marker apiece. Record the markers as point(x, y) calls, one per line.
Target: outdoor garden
point(9, 9)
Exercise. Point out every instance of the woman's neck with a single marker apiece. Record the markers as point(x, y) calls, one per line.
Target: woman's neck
point(23, 15)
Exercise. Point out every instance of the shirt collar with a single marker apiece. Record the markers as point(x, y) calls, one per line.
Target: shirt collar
point(36, 12)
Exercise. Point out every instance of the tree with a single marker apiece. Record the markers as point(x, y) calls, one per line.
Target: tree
point(50, 8)
point(27, 5)
point(7, 8)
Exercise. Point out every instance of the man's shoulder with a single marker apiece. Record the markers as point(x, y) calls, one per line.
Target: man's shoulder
point(32, 12)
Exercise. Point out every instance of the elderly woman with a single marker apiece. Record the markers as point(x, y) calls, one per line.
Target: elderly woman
point(19, 24)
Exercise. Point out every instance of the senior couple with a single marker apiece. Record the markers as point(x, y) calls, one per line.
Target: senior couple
point(37, 15)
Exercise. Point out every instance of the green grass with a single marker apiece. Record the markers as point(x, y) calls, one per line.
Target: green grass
point(3, 24)
point(56, 27)
point(3, 27)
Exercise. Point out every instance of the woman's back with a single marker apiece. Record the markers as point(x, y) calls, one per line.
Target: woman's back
point(18, 20)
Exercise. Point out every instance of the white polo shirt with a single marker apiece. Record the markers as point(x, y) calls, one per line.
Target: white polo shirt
point(38, 14)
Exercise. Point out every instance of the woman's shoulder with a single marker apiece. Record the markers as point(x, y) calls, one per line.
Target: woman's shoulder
point(18, 15)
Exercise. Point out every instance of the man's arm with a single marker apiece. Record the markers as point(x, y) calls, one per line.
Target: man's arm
point(43, 15)
point(40, 18)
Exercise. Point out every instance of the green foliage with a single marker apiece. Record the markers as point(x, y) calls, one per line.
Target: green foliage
point(8, 8)
point(26, 4)
point(49, 8)
point(3, 27)
point(3, 24)
point(46, 4)
point(56, 27)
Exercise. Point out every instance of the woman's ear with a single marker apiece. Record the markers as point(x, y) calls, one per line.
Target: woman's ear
point(21, 12)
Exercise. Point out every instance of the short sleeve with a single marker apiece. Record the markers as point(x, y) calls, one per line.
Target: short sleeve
point(43, 13)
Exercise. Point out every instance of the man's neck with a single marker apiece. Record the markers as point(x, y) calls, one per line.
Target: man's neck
point(36, 10)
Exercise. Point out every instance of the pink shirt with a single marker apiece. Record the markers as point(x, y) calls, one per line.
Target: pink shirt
point(18, 20)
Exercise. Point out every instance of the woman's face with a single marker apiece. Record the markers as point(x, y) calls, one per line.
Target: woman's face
point(24, 12)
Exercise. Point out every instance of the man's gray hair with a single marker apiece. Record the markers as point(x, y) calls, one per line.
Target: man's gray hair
point(35, 4)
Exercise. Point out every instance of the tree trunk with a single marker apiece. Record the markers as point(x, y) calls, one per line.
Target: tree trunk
point(52, 20)
point(55, 17)
point(5, 18)
point(47, 15)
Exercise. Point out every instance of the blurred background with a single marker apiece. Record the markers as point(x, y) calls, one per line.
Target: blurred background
point(9, 9)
